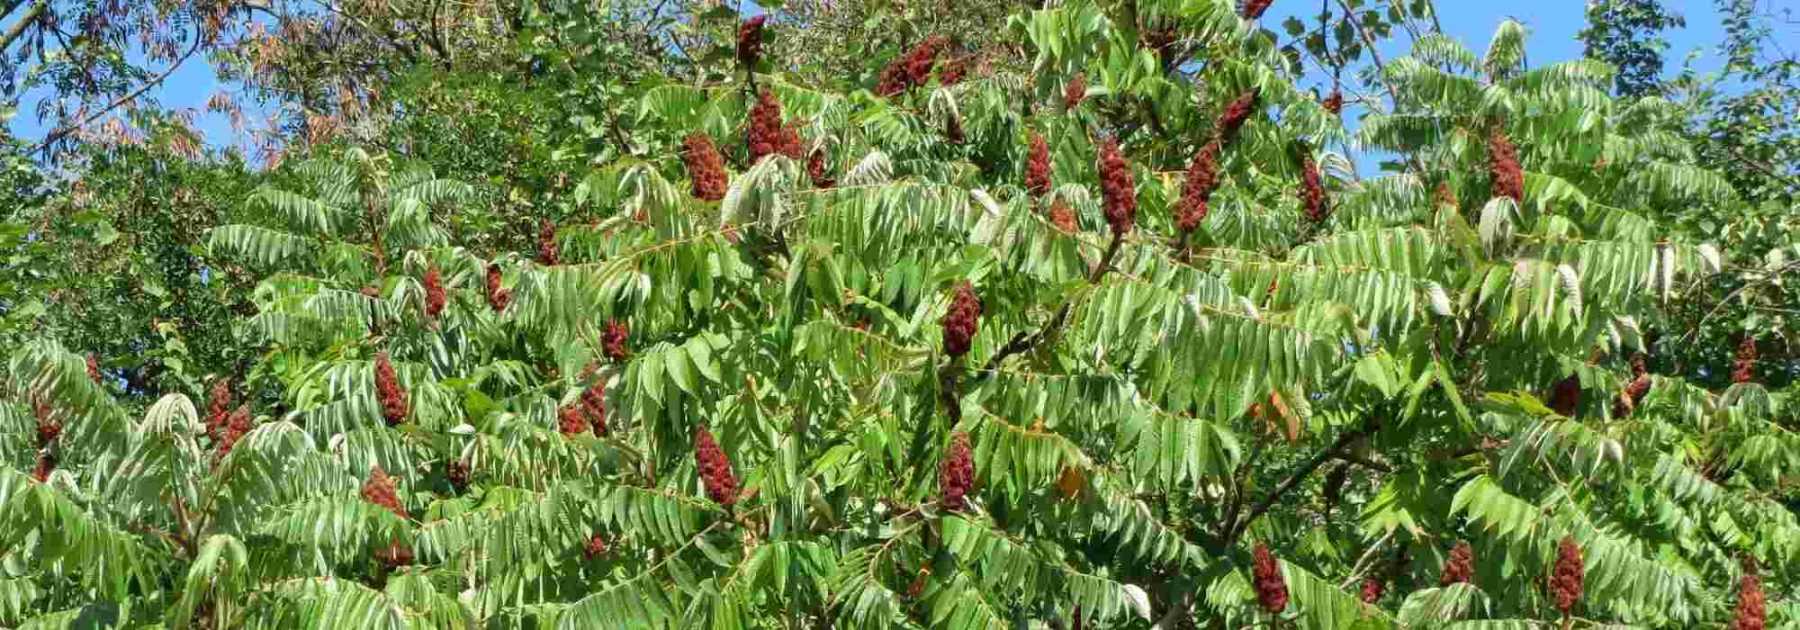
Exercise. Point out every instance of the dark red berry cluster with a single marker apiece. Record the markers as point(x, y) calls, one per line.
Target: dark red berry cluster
point(1752, 606)
point(1503, 167)
point(235, 429)
point(218, 409)
point(1037, 166)
point(1254, 9)
point(750, 40)
point(570, 421)
point(818, 169)
point(457, 472)
point(705, 167)
point(547, 253)
point(498, 296)
point(1634, 392)
point(1372, 588)
point(961, 320)
point(46, 464)
point(1118, 189)
point(48, 427)
point(1743, 370)
point(1063, 217)
point(596, 546)
point(93, 368)
point(1312, 188)
point(765, 134)
point(1565, 579)
point(434, 292)
point(1075, 91)
point(1459, 568)
point(1565, 397)
point(394, 404)
point(1271, 588)
point(379, 489)
point(911, 69)
point(956, 475)
point(1236, 113)
point(1197, 189)
point(953, 70)
point(614, 341)
point(593, 407)
point(715, 468)
point(1334, 102)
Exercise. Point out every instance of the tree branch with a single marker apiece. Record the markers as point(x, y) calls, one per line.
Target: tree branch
point(31, 16)
point(1343, 443)
point(1023, 342)
point(60, 132)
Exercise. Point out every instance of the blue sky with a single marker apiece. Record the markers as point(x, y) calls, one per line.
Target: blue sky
point(1553, 24)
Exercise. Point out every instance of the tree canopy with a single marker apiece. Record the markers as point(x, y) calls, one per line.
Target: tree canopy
point(894, 315)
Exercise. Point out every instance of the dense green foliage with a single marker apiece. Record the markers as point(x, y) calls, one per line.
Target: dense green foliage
point(493, 359)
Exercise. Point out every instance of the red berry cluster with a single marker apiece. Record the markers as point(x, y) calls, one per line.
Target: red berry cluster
point(818, 169)
point(1565, 579)
point(704, 166)
point(1063, 217)
point(765, 135)
point(961, 320)
point(218, 409)
point(457, 472)
point(1118, 190)
point(1634, 392)
point(46, 463)
point(547, 242)
point(750, 40)
point(1197, 189)
point(1254, 8)
point(1271, 589)
point(93, 368)
point(1075, 91)
point(596, 546)
point(234, 430)
point(956, 475)
point(1460, 567)
point(1312, 188)
point(570, 421)
point(434, 292)
point(1372, 588)
point(715, 468)
point(394, 403)
point(792, 145)
point(953, 70)
point(1236, 113)
point(379, 490)
point(498, 296)
point(1565, 397)
point(613, 341)
point(1503, 167)
point(1037, 166)
point(48, 427)
point(395, 555)
point(911, 69)
point(1743, 370)
point(593, 406)
point(1752, 606)
point(1334, 102)
point(1445, 196)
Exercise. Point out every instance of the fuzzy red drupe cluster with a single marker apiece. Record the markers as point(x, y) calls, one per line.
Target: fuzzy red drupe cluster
point(1312, 188)
point(704, 166)
point(1372, 588)
point(1037, 166)
point(1565, 397)
point(1743, 369)
point(48, 427)
point(235, 429)
point(218, 408)
point(1634, 392)
point(1197, 188)
point(498, 296)
point(434, 292)
point(614, 341)
point(1334, 102)
point(1236, 113)
point(715, 468)
point(1271, 588)
point(547, 253)
point(952, 71)
point(457, 472)
point(596, 546)
point(394, 404)
point(912, 69)
point(1503, 167)
point(1565, 579)
point(1752, 606)
point(818, 169)
point(961, 320)
point(765, 134)
point(380, 490)
point(46, 464)
point(1063, 217)
point(570, 421)
point(93, 368)
point(1118, 189)
point(1254, 9)
point(750, 40)
point(593, 407)
point(1459, 568)
point(956, 475)
point(1075, 91)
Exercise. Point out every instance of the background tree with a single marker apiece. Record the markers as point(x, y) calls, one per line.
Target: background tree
point(1628, 35)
